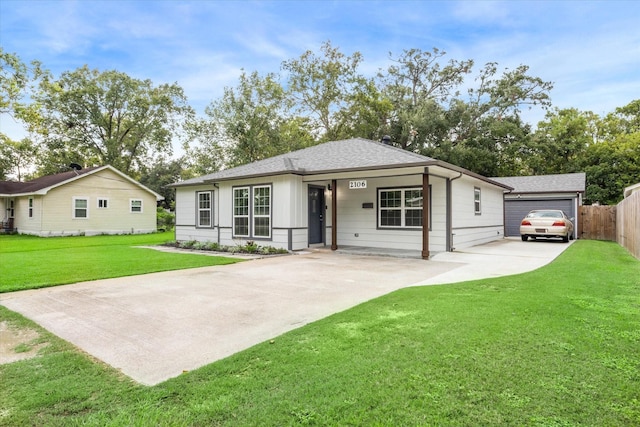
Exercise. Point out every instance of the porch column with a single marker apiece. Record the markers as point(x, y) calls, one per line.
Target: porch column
point(334, 215)
point(425, 214)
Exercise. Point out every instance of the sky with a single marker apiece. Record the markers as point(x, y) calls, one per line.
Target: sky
point(590, 50)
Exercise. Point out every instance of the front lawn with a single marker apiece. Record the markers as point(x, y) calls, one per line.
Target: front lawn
point(28, 262)
point(557, 346)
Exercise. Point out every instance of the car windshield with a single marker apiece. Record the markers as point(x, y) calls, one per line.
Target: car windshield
point(544, 214)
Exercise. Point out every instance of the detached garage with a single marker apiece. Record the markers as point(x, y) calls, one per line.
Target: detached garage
point(562, 191)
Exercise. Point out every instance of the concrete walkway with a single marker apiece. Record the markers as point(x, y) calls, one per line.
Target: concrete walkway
point(155, 326)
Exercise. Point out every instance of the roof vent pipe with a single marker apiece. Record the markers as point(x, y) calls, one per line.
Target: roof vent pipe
point(386, 140)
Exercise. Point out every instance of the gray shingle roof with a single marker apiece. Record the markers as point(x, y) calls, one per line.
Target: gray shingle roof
point(348, 154)
point(559, 183)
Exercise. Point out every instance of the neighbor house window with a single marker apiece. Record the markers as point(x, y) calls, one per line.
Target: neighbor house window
point(30, 207)
point(401, 207)
point(204, 209)
point(80, 207)
point(136, 206)
point(252, 211)
point(476, 201)
point(241, 212)
point(103, 203)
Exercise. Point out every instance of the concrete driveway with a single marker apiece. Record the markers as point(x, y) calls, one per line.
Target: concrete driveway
point(155, 326)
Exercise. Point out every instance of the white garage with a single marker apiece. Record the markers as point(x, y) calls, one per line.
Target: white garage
point(561, 191)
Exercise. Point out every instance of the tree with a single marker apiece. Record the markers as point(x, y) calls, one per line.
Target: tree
point(250, 122)
point(324, 89)
point(17, 79)
point(107, 118)
point(159, 175)
point(560, 141)
point(16, 157)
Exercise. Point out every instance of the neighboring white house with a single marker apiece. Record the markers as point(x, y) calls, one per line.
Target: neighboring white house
point(354, 192)
point(99, 200)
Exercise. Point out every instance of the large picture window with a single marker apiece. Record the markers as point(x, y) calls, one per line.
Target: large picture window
point(205, 211)
point(401, 207)
point(252, 211)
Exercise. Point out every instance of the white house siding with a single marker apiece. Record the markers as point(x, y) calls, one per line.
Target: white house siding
point(185, 228)
point(285, 214)
point(22, 222)
point(357, 226)
point(468, 228)
point(57, 208)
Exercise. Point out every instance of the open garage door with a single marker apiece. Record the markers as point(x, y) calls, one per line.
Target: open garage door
point(516, 209)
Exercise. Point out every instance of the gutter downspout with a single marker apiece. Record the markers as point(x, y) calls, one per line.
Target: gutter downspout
point(449, 219)
point(217, 186)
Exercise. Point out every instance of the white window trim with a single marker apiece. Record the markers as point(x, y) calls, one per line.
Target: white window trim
point(131, 206)
point(30, 206)
point(256, 216)
point(209, 209)
point(73, 207)
point(402, 209)
point(100, 199)
point(477, 203)
point(252, 216)
point(248, 215)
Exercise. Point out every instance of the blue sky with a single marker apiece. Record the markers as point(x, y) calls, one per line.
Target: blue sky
point(589, 49)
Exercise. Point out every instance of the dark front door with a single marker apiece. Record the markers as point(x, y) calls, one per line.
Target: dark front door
point(316, 215)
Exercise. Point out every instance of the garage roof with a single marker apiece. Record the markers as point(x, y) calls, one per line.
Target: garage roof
point(559, 183)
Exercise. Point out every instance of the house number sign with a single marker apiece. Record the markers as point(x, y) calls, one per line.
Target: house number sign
point(355, 185)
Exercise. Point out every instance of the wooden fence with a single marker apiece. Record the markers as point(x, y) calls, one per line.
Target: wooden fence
point(597, 222)
point(628, 223)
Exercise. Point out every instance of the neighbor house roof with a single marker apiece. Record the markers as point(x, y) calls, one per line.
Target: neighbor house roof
point(558, 183)
point(45, 183)
point(354, 154)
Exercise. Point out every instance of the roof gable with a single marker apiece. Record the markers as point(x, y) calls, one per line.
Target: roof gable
point(45, 183)
point(558, 183)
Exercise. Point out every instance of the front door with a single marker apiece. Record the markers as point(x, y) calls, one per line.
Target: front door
point(316, 215)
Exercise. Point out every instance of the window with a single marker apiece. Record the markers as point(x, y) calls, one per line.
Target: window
point(476, 201)
point(103, 203)
point(80, 208)
point(401, 208)
point(252, 211)
point(30, 207)
point(136, 206)
point(12, 210)
point(241, 212)
point(262, 211)
point(204, 209)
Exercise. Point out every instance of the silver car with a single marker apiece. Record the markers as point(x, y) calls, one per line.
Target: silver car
point(546, 223)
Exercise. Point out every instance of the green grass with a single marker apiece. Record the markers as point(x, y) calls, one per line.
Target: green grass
point(555, 347)
point(28, 262)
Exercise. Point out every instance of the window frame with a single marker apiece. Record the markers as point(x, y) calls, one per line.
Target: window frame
point(235, 215)
point(74, 207)
point(403, 208)
point(256, 216)
point(30, 210)
point(106, 203)
point(252, 216)
point(131, 207)
point(199, 209)
point(477, 200)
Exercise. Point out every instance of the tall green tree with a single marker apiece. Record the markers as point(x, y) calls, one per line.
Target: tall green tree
point(16, 157)
point(324, 89)
point(107, 118)
point(560, 141)
point(17, 81)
